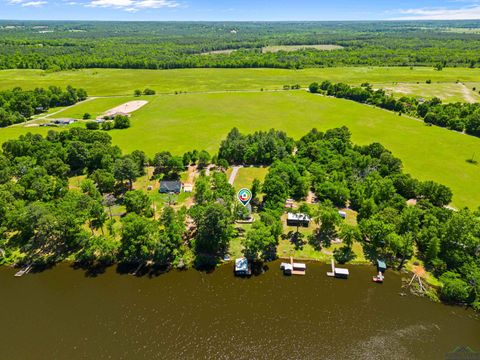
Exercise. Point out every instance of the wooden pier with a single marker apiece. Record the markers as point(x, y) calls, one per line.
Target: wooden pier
point(338, 272)
point(298, 268)
point(332, 273)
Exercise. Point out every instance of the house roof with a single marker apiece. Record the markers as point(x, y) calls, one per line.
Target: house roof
point(170, 186)
point(381, 264)
point(298, 217)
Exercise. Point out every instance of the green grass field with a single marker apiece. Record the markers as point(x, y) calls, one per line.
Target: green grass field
point(246, 175)
point(124, 82)
point(185, 122)
point(448, 92)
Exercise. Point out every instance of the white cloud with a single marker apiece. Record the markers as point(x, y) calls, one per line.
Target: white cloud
point(156, 4)
point(133, 5)
point(110, 3)
point(15, 1)
point(34, 3)
point(464, 13)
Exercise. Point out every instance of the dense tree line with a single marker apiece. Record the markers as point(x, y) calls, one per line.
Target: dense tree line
point(167, 45)
point(369, 179)
point(458, 116)
point(44, 220)
point(19, 105)
point(260, 148)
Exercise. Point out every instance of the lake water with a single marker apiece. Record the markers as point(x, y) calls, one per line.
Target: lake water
point(63, 314)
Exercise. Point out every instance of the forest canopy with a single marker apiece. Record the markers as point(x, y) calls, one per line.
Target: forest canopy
point(64, 45)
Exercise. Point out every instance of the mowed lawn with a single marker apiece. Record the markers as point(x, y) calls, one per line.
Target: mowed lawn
point(106, 82)
point(179, 123)
point(246, 175)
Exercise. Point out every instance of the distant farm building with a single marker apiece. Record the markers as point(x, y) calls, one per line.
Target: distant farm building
point(64, 121)
point(170, 187)
point(298, 219)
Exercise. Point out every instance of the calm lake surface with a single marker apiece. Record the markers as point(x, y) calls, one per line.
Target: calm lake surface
point(63, 314)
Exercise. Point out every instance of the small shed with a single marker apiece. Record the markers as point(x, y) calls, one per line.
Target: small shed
point(298, 219)
point(289, 204)
point(242, 267)
point(341, 273)
point(381, 266)
point(170, 187)
point(342, 214)
point(188, 188)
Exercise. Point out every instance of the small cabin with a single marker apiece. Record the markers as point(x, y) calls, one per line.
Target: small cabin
point(242, 267)
point(381, 266)
point(341, 273)
point(298, 219)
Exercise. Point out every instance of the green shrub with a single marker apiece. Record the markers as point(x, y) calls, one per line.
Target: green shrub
point(92, 125)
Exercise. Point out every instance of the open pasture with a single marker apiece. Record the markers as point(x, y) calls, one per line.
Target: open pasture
point(107, 82)
point(183, 122)
point(447, 92)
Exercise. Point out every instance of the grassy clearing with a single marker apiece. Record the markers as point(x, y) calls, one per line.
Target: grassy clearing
point(427, 152)
point(124, 82)
point(246, 175)
point(227, 51)
point(448, 92)
point(276, 48)
point(188, 121)
point(160, 200)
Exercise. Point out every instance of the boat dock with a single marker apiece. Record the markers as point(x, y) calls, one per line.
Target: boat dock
point(293, 268)
point(23, 271)
point(338, 272)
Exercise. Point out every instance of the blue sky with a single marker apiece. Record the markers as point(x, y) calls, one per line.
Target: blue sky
point(232, 10)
